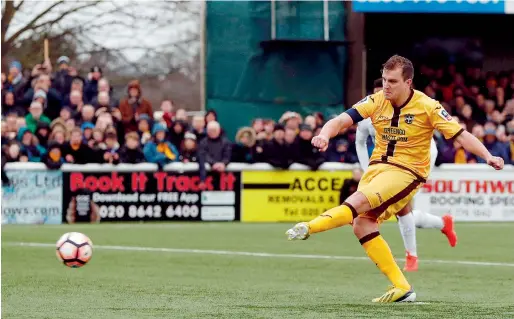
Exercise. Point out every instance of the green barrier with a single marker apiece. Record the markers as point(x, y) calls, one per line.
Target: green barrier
point(245, 78)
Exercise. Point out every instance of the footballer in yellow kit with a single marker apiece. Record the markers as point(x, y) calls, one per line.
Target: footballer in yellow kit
point(404, 121)
point(403, 137)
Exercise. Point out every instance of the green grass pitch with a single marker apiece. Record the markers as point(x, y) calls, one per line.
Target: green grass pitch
point(191, 278)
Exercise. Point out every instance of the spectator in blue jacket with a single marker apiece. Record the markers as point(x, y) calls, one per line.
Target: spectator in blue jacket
point(159, 150)
point(30, 146)
point(494, 146)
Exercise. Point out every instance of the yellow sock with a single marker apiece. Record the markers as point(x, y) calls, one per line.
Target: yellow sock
point(378, 250)
point(332, 218)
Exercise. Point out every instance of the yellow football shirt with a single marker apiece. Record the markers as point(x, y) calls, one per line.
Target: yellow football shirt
point(404, 133)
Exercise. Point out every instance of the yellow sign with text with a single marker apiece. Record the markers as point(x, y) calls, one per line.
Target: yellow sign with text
point(289, 196)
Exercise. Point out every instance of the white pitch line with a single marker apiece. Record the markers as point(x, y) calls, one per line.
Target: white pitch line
point(256, 254)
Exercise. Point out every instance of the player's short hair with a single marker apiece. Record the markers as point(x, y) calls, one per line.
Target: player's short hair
point(377, 83)
point(397, 61)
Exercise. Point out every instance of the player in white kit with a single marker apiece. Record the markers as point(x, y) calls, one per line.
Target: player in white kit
point(408, 219)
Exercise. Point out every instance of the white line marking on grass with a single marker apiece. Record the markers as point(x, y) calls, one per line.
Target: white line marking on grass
point(256, 254)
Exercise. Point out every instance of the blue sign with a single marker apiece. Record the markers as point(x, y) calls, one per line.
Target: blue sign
point(34, 197)
point(434, 6)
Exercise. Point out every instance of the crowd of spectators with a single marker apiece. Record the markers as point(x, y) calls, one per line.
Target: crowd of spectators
point(60, 117)
point(482, 102)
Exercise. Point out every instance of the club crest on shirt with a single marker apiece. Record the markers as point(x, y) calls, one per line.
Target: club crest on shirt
point(445, 115)
point(409, 118)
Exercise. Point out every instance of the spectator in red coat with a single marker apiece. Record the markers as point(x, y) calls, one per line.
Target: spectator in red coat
point(133, 106)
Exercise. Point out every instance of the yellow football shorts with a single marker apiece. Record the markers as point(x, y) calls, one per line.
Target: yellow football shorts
point(388, 189)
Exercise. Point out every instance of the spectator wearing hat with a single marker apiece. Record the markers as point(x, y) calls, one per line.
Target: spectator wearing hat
point(87, 131)
point(308, 154)
point(274, 151)
point(144, 128)
point(189, 148)
point(16, 80)
point(53, 159)
point(133, 106)
point(189, 153)
point(30, 145)
point(35, 115)
point(291, 120)
point(62, 78)
point(91, 88)
point(159, 150)
point(40, 96)
point(76, 151)
point(215, 149)
point(244, 149)
point(131, 152)
point(311, 121)
point(495, 147)
point(340, 153)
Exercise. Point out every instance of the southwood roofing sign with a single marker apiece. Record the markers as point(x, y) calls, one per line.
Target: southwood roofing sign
point(435, 6)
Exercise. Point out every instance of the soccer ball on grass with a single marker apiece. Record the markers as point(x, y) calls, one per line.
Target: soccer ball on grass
point(74, 249)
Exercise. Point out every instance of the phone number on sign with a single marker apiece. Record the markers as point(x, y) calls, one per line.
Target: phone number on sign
point(151, 211)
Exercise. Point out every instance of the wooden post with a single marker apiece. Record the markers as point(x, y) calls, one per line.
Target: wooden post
point(46, 50)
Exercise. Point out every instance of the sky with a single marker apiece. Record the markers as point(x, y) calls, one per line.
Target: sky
point(134, 25)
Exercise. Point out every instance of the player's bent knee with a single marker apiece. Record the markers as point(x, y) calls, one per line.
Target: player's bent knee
point(363, 226)
point(359, 202)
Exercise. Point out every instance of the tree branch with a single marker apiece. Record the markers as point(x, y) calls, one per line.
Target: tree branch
point(33, 26)
point(8, 11)
point(18, 7)
point(30, 25)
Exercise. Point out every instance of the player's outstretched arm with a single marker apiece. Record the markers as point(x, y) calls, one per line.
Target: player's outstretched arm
point(473, 145)
point(331, 129)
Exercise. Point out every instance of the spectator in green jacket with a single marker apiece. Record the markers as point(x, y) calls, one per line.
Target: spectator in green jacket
point(35, 115)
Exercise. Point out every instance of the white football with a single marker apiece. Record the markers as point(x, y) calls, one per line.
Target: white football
point(74, 249)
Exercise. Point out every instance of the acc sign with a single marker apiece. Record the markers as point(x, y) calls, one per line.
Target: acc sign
point(438, 6)
point(279, 196)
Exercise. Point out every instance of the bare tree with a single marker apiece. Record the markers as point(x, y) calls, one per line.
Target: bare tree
point(130, 35)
